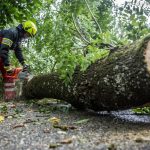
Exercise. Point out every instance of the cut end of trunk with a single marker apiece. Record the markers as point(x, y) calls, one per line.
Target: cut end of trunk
point(147, 56)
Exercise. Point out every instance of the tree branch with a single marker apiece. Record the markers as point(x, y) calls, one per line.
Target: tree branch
point(100, 30)
point(83, 38)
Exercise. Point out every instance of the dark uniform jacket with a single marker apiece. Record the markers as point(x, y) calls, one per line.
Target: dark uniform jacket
point(10, 40)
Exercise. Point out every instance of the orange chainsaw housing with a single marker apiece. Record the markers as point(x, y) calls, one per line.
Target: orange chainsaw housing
point(14, 74)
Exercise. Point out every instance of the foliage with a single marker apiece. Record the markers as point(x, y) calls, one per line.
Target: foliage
point(17, 10)
point(103, 14)
point(62, 48)
point(144, 110)
point(82, 121)
point(132, 18)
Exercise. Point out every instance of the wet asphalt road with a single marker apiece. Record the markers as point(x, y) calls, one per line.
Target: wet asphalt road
point(27, 127)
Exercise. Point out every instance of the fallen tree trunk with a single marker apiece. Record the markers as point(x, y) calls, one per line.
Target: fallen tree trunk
point(120, 81)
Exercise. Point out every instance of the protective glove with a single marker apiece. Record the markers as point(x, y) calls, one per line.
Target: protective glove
point(26, 68)
point(9, 69)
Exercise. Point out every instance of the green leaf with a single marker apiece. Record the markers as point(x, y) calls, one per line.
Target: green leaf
point(82, 121)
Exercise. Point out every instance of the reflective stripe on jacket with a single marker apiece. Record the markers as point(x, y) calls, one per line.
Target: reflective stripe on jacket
point(10, 40)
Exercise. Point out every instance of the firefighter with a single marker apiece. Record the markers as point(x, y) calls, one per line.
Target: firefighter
point(10, 40)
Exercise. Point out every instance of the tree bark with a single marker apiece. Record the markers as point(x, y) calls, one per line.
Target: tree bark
point(119, 81)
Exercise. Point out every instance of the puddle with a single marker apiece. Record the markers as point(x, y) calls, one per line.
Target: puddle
point(130, 116)
point(126, 115)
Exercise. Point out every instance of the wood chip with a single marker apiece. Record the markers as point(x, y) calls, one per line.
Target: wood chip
point(18, 126)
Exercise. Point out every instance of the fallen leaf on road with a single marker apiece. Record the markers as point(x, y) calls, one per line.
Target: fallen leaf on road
point(55, 145)
point(142, 139)
point(64, 127)
point(18, 126)
point(61, 132)
point(54, 120)
point(66, 141)
point(81, 121)
point(1, 119)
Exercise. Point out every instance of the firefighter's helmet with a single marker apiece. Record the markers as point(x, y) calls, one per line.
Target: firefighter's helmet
point(30, 27)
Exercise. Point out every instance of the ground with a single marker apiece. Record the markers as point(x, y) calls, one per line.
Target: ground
point(30, 126)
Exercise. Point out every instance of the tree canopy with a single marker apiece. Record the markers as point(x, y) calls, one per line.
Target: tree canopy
point(18, 10)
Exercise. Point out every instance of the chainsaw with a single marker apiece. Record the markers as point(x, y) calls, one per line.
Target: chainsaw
point(18, 73)
point(25, 75)
point(20, 77)
point(13, 83)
